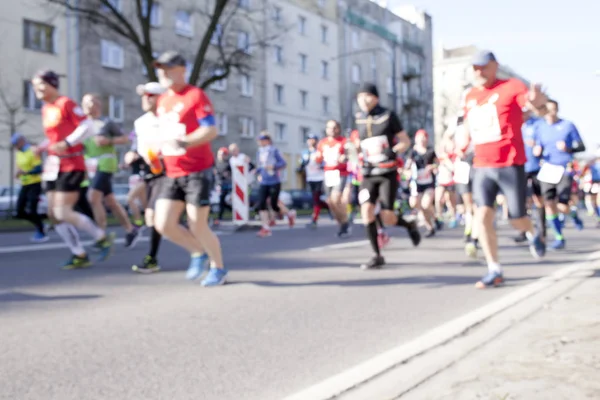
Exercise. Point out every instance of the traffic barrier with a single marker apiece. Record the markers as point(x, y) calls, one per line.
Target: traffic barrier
point(240, 197)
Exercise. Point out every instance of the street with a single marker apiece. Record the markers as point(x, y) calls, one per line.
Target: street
point(297, 310)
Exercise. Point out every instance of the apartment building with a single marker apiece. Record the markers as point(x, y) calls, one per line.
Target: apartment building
point(112, 67)
point(453, 74)
point(31, 38)
point(302, 86)
point(393, 49)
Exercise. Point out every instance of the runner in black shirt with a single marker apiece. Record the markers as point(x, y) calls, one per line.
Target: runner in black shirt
point(224, 183)
point(381, 138)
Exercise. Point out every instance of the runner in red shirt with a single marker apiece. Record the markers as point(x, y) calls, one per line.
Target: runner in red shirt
point(64, 168)
point(331, 150)
point(493, 112)
point(187, 124)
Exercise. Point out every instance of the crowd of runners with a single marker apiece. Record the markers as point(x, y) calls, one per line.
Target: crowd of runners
point(507, 155)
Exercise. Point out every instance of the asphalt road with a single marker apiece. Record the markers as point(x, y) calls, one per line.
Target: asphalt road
point(294, 313)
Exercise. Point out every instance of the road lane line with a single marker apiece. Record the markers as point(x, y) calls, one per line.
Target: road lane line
point(344, 245)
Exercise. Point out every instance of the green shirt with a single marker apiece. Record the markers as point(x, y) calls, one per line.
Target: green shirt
point(105, 156)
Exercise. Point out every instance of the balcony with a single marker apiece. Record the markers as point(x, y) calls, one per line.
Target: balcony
point(410, 73)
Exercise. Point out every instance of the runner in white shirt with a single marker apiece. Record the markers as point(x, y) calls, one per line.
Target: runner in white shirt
point(314, 177)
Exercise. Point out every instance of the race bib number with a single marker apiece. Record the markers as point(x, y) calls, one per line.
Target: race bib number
point(483, 123)
point(551, 174)
point(424, 177)
point(444, 175)
point(171, 131)
point(332, 178)
point(51, 169)
point(462, 172)
point(374, 149)
point(134, 180)
point(331, 156)
point(91, 165)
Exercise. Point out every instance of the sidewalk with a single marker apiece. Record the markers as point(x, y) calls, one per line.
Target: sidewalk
point(553, 355)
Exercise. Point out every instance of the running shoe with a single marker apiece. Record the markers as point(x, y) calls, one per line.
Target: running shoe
point(105, 246)
point(345, 231)
point(521, 238)
point(215, 277)
point(492, 279)
point(558, 244)
point(292, 218)
point(198, 265)
point(537, 247)
point(39, 237)
point(413, 233)
point(471, 250)
point(132, 238)
point(374, 263)
point(77, 262)
point(148, 266)
point(312, 225)
point(264, 233)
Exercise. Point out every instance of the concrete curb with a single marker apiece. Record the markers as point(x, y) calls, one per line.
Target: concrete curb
point(344, 383)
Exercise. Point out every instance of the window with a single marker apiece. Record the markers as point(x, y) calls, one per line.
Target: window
point(217, 34)
point(183, 23)
point(244, 4)
point(355, 73)
point(220, 85)
point(244, 41)
point(155, 55)
point(277, 14)
point(116, 108)
point(324, 69)
point(155, 13)
point(279, 97)
point(246, 127)
point(39, 37)
point(302, 25)
point(30, 102)
point(390, 85)
point(304, 132)
point(303, 62)
point(280, 132)
point(222, 123)
point(324, 34)
point(355, 39)
point(303, 99)
point(325, 100)
point(374, 67)
point(246, 85)
point(111, 54)
point(278, 53)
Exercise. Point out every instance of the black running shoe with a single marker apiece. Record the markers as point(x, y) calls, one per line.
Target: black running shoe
point(374, 263)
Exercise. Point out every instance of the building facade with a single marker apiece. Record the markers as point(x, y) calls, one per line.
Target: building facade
point(301, 77)
point(31, 38)
point(393, 49)
point(453, 74)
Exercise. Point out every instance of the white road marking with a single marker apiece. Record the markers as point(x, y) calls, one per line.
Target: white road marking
point(344, 245)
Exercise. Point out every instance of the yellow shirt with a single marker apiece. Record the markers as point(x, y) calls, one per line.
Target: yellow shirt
point(26, 161)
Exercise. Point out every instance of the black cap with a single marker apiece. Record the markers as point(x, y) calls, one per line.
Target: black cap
point(170, 59)
point(368, 88)
point(48, 76)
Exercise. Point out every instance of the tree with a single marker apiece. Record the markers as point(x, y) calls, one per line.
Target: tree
point(132, 22)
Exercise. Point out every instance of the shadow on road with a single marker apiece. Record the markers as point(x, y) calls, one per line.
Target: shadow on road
point(429, 281)
point(20, 296)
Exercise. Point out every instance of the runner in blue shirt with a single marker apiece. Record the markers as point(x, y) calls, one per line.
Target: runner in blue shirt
point(532, 168)
point(556, 142)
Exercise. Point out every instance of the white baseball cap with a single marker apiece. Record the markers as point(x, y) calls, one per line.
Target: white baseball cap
point(150, 88)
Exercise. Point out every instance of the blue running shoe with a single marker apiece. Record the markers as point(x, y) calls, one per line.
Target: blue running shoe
point(492, 279)
point(215, 277)
point(558, 244)
point(39, 237)
point(198, 265)
point(537, 247)
point(105, 246)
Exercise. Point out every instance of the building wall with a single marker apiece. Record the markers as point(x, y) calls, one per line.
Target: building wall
point(20, 63)
point(453, 74)
point(288, 74)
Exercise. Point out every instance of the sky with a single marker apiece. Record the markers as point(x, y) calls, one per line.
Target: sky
point(556, 43)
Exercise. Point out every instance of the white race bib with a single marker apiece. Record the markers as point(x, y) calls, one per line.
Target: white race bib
point(551, 174)
point(462, 172)
point(91, 165)
point(331, 156)
point(444, 176)
point(484, 125)
point(51, 169)
point(374, 149)
point(332, 178)
point(424, 177)
point(170, 131)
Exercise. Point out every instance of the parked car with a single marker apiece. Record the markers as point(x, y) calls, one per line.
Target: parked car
point(301, 199)
point(5, 201)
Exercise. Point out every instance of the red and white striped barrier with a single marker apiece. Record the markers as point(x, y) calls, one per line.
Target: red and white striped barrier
point(240, 201)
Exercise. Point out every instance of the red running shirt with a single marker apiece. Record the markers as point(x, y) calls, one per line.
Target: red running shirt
point(180, 114)
point(60, 119)
point(331, 149)
point(494, 116)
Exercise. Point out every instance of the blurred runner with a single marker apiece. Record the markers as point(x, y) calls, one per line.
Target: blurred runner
point(313, 171)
